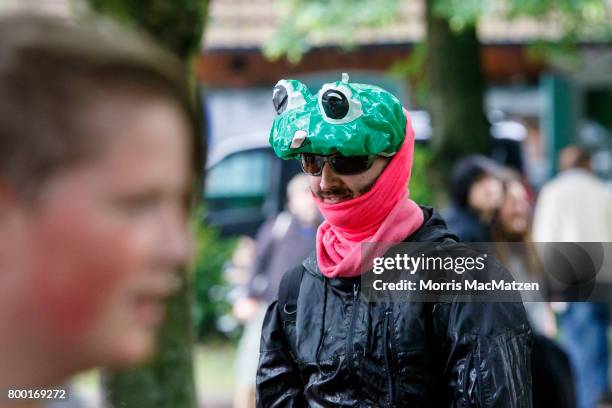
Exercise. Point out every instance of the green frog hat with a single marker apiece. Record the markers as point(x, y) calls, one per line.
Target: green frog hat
point(347, 118)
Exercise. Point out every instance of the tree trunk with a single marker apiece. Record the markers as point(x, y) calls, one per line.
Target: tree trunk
point(176, 25)
point(168, 380)
point(456, 92)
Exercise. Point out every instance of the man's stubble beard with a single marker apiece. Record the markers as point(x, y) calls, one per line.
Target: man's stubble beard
point(345, 192)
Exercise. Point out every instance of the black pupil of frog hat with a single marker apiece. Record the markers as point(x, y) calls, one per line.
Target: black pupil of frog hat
point(280, 98)
point(335, 104)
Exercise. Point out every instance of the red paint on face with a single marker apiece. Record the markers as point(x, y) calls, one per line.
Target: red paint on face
point(73, 289)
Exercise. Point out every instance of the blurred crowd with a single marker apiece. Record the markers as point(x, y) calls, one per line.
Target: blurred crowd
point(492, 203)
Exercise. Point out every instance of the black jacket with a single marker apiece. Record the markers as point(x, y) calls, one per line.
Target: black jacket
point(464, 222)
point(406, 354)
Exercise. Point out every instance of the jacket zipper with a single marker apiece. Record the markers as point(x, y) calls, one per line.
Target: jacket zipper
point(350, 346)
point(388, 344)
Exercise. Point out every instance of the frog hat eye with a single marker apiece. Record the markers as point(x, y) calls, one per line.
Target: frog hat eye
point(289, 94)
point(337, 104)
point(279, 98)
point(350, 119)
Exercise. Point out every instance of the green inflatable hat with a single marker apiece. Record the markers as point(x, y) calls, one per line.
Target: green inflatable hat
point(346, 118)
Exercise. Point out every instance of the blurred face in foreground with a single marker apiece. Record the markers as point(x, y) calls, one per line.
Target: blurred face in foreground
point(89, 261)
point(332, 188)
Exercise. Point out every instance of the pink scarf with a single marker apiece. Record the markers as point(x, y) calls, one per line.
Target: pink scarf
point(384, 215)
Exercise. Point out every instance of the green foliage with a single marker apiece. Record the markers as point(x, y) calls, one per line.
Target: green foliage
point(563, 54)
point(576, 19)
point(413, 67)
point(306, 21)
point(176, 24)
point(212, 252)
point(420, 183)
point(461, 14)
point(591, 14)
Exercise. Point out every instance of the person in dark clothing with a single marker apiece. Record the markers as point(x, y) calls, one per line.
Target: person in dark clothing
point(322, 344)
point(553, 382)
point(281, 243)
point(476, 193)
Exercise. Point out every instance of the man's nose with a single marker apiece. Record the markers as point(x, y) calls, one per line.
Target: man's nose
point(329, 178)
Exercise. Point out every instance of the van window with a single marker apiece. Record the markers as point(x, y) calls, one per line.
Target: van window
point(240, 180)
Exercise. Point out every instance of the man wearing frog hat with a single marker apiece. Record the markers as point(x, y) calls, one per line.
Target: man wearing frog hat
point(322, 344)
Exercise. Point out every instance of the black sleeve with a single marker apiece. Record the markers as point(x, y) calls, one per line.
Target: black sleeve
point(487, 352)
point(278, 380)
point(484, 345)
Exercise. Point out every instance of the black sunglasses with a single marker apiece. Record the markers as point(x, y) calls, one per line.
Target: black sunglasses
point(312, 164)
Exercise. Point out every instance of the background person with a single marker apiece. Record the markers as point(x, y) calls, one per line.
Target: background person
point(577, 207)
point(281, 244)
point(97, 161)
point(553, 383)
point(476, 194)
point(511, 230)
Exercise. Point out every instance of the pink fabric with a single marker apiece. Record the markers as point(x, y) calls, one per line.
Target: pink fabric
point(384, 215)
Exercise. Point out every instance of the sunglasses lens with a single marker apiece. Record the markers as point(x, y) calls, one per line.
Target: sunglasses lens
point(311, 164)
point(350, 164)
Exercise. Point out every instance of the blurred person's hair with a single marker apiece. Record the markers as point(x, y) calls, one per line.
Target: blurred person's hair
point(53, 72)
point(466, 172)
point(574, 157)
point(509, 176)
point(504, 240)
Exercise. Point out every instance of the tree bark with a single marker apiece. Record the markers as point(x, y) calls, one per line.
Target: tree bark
point(456, 92)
